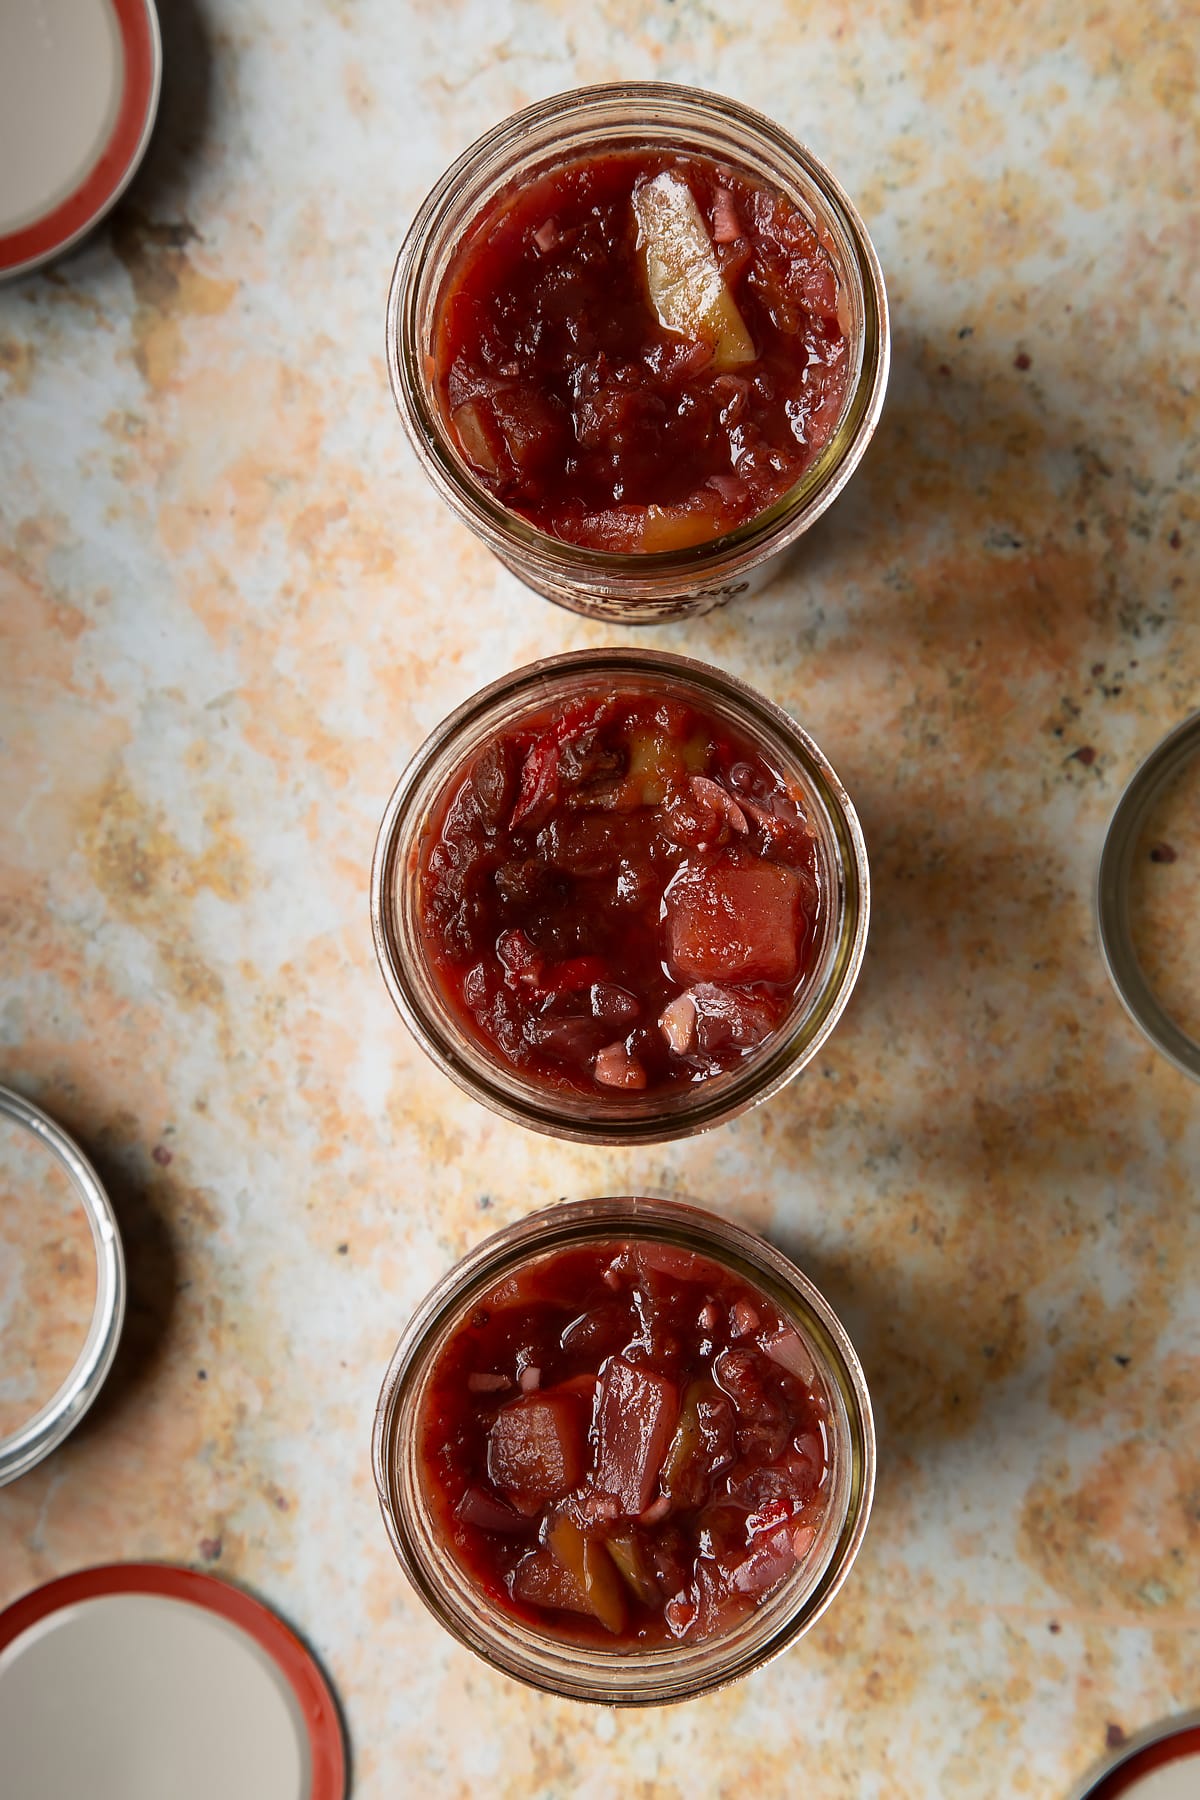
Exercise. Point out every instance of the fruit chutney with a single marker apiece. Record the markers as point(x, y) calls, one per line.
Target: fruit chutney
point(638, 338)
point(627, 1440)
point(619, 896)
point(640, 350)
point(621, 893)
point(625, 1451)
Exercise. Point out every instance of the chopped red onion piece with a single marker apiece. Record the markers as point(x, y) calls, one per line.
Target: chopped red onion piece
point(768, 1518)
point(487, 1384)
point(614, 1067)
point(726, 224)
point(475, 434)
point(657, 1509)
point(787, 1349)
point(743, 1319)
point(613, 1005)
point(730, 487)
point(680, 1615)
point(802, 1541)
point(769, 1560)
point(721, 801)
point(667, 1259)
point(488, 1513)
point(677, 1023)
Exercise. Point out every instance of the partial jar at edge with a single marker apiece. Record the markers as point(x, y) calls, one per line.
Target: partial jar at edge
point(617, 1118)
point(637, 588)
point(622, 1677)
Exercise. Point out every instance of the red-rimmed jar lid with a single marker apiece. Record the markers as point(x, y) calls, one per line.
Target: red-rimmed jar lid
point(1162, 1763)
point(172, 1682)
point(79, 84)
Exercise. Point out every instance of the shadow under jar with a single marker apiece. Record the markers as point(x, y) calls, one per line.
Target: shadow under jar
point(627, 1640)
point(648, 965)
point(666, 131)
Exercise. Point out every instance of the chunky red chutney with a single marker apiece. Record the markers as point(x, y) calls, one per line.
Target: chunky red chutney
point(620, 895)
point(640, 351)
point(627, 1444)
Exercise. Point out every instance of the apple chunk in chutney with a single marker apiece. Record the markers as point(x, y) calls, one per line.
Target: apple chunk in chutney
point(620, 895)
point(626, 1444)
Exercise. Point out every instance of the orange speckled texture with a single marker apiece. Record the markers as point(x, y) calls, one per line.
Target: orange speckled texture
point(232, 608)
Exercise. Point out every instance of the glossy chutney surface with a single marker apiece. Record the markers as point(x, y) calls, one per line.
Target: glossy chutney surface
point(640, 351)
point(620, 895)
point(626, 1444)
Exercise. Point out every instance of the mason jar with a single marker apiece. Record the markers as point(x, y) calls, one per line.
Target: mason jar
point(409, 829)
point(629, 1675)
point(636, 587)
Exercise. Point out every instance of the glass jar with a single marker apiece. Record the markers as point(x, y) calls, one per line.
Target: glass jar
point(628, 1676)
point(638, 588)
point(617, 1117)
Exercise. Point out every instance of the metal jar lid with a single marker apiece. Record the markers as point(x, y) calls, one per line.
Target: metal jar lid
point(1161, 1763)
point(62, 1412)
point(1113, 909)
point(139, 1680)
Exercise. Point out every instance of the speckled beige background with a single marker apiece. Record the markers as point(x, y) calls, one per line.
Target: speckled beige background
point(232, 609)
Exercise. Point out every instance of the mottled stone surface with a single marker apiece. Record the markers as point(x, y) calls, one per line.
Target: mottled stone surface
point(232, 608)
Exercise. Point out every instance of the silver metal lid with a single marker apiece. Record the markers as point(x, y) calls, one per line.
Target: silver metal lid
point(62, 1412)
point(1113, 894)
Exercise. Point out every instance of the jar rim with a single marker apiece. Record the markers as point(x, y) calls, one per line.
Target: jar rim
point(672, 1673)
point(708, 1103)
point(505, 532)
